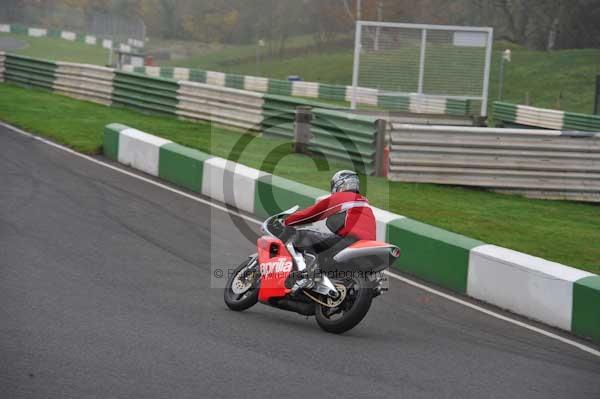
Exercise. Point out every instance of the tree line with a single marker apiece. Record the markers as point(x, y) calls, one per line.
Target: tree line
point(537, 24)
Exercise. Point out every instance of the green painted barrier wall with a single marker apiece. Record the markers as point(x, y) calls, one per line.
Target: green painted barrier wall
point(586, 308)
point(182, 166)
point(432, 254)
point(110, 146)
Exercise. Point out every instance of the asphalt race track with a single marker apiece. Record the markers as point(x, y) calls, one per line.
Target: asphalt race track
point(10, 44)
point(105, 293)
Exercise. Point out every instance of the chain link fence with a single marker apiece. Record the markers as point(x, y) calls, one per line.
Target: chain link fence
point(423, 60)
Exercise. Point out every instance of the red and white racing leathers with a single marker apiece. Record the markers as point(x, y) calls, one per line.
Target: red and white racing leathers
point(359, 219)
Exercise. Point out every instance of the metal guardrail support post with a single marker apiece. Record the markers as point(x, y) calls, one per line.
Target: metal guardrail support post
point(597, 100)
point(381, 154)
point(302, 131)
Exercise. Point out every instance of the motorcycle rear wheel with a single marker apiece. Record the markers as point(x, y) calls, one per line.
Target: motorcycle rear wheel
point(241, 300)
point(351, 311)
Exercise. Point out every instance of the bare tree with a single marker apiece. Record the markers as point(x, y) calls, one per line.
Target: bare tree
point(542, 24)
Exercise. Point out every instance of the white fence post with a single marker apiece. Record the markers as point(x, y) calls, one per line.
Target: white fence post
point(357, 45)
point(486, 76)
point(422, 60)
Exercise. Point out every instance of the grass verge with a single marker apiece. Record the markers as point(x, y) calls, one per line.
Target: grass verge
point(221, 57)
point(59, 49)
point(561, 231)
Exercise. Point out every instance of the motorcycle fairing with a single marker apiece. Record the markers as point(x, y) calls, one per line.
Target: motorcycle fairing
point(275, 263)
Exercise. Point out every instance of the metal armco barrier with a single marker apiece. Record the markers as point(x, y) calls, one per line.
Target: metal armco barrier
point(513, 115)
point(84, 82)
point(29, 71)
point(338, 134)
point(230, 107)
point(345, 136)
point(537, 163)
point(279, 113)
point(144, 93)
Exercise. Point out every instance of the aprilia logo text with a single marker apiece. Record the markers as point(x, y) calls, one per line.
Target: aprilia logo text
point(278, 266)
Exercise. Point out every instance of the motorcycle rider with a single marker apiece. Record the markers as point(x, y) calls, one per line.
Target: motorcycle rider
point(347, 215)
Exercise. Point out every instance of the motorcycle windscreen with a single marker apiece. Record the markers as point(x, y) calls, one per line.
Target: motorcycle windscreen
point(275, 264)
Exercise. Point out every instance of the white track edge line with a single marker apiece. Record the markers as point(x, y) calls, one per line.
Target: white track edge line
point(494, 314)
point(251, 219)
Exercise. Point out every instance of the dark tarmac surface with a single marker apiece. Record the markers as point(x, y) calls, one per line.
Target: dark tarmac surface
point(105, 293)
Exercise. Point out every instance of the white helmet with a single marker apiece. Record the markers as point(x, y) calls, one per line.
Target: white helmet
point(345, 180)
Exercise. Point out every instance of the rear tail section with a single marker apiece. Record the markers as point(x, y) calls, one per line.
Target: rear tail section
point(366, 255)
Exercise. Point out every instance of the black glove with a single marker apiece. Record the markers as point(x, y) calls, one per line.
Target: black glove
point(276, 227)
point(287, 233)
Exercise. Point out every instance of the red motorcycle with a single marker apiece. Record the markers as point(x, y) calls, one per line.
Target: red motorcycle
point(338, 293)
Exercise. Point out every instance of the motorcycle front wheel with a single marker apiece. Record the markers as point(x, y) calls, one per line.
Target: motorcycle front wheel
point(351, 311)
point(241, 289)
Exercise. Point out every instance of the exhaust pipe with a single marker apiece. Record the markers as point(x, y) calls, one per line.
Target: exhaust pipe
point(303, 308)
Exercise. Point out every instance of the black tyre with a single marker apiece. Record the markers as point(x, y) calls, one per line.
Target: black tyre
point(351, 311)
point(241, 290)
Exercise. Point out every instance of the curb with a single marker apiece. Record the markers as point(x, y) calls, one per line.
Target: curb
point(551, 293)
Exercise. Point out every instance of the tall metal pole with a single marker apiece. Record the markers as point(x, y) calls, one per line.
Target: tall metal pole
point(355, 68)
point(379, 18)
point(501, 80)
point(422, 60)
point(358, 10)
point(257, 61)
point(486, 76)
point(259, 45)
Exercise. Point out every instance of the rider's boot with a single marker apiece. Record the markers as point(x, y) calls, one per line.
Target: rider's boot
point(305, 279)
